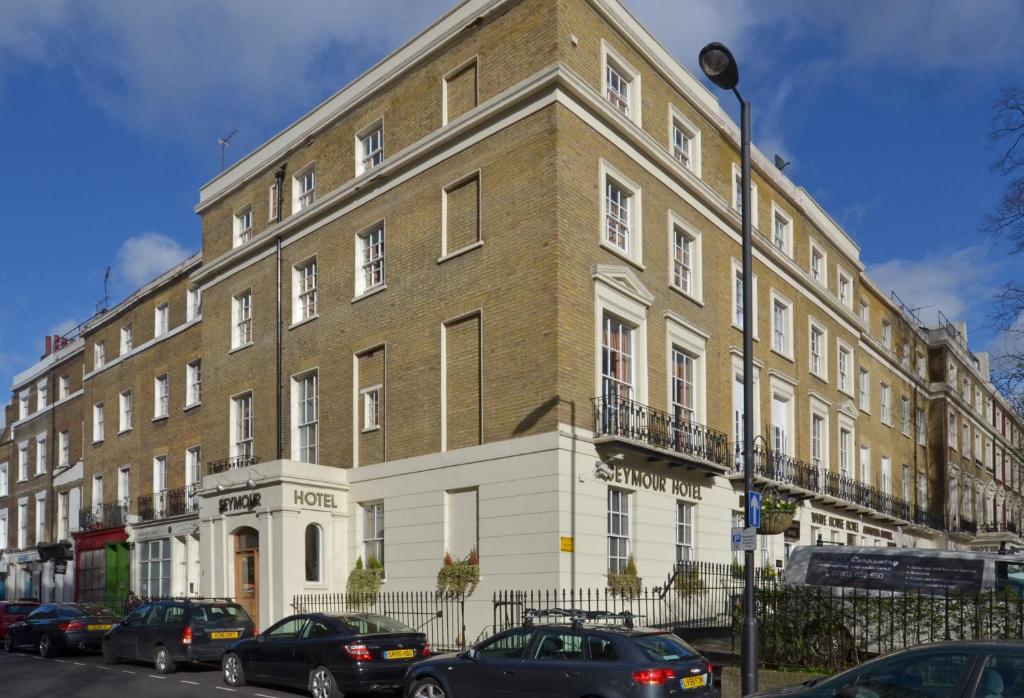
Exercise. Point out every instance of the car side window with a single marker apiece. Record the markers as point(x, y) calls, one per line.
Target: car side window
point(174, 614)
point(316, 629)
point(287, 630)
point(155, 615)
point(555, 645)
point(510, 645)
point(933, 675)
point(1003, 676)
point(138, 616)
point(601, 649)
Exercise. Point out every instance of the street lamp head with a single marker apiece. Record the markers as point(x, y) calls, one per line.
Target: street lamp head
point(719, 65)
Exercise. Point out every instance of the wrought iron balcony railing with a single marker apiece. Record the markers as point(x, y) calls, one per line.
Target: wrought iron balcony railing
point(923, 517)
point(961, 525)
point(163, 505)
point(220, 466)
point(103, 515)
point(635, 421)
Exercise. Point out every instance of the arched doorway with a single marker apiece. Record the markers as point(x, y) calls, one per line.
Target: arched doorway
point(247, 571)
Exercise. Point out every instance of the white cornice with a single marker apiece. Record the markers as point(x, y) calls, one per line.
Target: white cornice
point(178, 269)
point(143, 347)
point(41, 367)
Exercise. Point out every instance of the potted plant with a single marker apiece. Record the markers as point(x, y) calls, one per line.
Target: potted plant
point(626, 583)
point(459, 577)
point(365, 581)
point(776, 515)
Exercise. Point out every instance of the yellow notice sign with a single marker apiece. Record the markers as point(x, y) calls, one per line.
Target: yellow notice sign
point(566, 544)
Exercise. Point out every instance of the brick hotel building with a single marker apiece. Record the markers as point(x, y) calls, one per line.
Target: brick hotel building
point(427, 310)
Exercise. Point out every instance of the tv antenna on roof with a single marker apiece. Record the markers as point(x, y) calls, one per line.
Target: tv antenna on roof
point(102, 305)
point(223, 143)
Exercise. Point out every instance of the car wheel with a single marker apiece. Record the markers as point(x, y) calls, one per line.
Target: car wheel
point(8, 643)
point(322, 684)
point(427, 688)
point(108, 654)
point(46, 647)
point(163, 662)
point(234, 674)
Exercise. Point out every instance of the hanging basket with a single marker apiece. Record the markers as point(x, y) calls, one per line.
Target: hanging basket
point(775, 522)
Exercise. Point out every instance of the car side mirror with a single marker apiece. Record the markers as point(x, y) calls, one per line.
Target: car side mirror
point(471, 653)
point(261, 638)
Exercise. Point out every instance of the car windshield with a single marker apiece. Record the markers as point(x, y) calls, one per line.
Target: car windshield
point(85, 609)
point(664, 648)
point(210, 614)
point(371, 624)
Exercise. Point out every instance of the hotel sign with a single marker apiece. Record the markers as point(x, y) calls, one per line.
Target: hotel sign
point(631, 477)
point(312, 498)
point(239, 502)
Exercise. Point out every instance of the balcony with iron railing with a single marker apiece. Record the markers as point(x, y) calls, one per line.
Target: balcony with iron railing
point(233, 463)
point(963, 528)
point(929, 519)
point(633, 426)
point(808, 481)
point(105, 515)
point(168, 503)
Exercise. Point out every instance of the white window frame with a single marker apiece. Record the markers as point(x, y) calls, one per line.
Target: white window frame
point(865, 313)
point(99, 355)
point(683, 337)
point(374, 511)
point(5, 488)
point(161, 320)
point(124, 411)
point(242, 220)
point(126, 338)
point(846, 424)
point(368, 154)
point(782, 437)
point(844, 281)
point(124, 485)
point(787, 333)
point(922, 427)
point(23, 522)
point(241, 429)
point(193, 303)
point(40, 517)
point(954, 435)
point(736, 277)
point(159, 485)
point(161, 396)
point(905, 417)
point(303, 198)
point(242, 319)
point(886, 475)
point(686, 531)
point(677, 227)
point(846, 385)
point(886, 334)
point(42, 394)
point(370, 399)
point(633, 312)
point(41, 454)
point(633, 250)
point(610, 58)
point(679, 123)
point(272, 203)
point(23, 461)
point(63, 448)
point(885, 403)
point(306, 417)
point(735, 183)
point(619, 515)
point(816, 328)
point(63, 387)
point(193, 383)
point(23, 402)
point(819, 273)
point(193, 474)
point(305, 291)
point(778, 214)
point(922, 365)
point(367, 265)
point(98, 422)
point(96, 493)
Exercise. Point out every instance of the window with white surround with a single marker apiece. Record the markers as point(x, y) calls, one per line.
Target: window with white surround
point(952, 430)
point(951, 374)
point(620, 219)
point(97, 493)
point(685, 140)
point(3, 529)
point(273, 196)
point(782, 230)
point(63, 448)
point(618, 530)
point(23, 461)
point(845, 452)
point(373, 532)
point(99, 355)
point(64, 387)
point(819, 264)
point(304, 291)
point(63, 516)
point(886, 475)
point(241, 333)
point(23, 404)
point(905, 416)
point(370, 147)
point(42, 394)
point(124, 485)
point(906, 482)
point(4, 488)
point(922, 491)
point(886, 334)
point(844, 368)
point(818, 443)
point(782, 326)
point(886, 405)
point(370, 259)
point(687, 259)
point(684, 401)
point(242, 426)
point(41, 454)
point(159, 485)
point(194, 383)
point(125, 411)
point(905, 357)
point(965, 442)
point(865, 464)
point(737, 297)
point(126, 339)
point(193, 303)
point(97, 422)
point(193, 478)
point(371, 408)
point(161, 396)
point(161, 320)
point(684, 532)
point(304, 189)
point(617, 364)
point(737, 194)
point(865, 313)
point(621, 83)
point(922, 366)
point(783, 415)
point(306, 417)
point(845, 288)
point(817, 345)
point(243, 220)
point(922, 426)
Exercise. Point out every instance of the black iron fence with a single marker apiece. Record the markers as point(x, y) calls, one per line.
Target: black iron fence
point(220, 466)
point(923, 517)
point(619, 416)
point(168, 503)
point(441, 616)
point(103, 515)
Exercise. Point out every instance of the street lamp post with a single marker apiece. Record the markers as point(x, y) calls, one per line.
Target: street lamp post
point(718, 64)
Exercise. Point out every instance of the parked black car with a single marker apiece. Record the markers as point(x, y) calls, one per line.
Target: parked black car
point(585, 656)
point(58, 627)
point(173, 631)
point(976, 669)
point(327, 654)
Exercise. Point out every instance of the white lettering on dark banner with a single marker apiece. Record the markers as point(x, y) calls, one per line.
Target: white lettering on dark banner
point(632, 477)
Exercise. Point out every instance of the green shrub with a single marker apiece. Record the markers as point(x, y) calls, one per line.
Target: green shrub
point(364, 582)
point(459, 577)
point(626, 583)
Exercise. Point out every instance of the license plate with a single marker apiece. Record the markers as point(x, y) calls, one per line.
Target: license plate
point(225, 635)
point(693, 681)
point(99, 626)
point(399, 654)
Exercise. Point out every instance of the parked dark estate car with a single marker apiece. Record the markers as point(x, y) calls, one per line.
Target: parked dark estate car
point(58, 627)
point(13, 611)
point(173, 631)
point(570, 660)
point(327, 654)
point(976, 669)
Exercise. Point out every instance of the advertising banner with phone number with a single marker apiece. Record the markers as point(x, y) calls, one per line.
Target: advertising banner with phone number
point(895, 572)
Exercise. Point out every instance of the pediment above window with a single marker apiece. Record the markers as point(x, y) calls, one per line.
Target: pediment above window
point(624, 281)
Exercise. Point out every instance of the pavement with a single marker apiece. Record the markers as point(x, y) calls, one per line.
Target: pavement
point(24, 675)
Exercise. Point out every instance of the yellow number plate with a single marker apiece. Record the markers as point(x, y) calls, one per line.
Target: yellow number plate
point(99, 626)
point(400, 654)
point(693, 681)
point(224, 636)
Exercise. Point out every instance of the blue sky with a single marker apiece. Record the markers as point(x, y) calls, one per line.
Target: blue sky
point(110, 112)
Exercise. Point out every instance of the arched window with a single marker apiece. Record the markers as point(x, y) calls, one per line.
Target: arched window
point(313, 556)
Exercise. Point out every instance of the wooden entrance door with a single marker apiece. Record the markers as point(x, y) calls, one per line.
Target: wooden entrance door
point(247, 573)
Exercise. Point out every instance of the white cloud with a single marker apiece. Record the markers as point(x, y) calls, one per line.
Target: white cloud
point(144, 257)
point(64, 326)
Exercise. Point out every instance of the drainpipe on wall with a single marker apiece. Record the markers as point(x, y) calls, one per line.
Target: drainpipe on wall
point(279, 178)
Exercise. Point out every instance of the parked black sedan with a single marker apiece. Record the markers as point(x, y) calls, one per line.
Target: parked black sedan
point(977, 669)
point(58, 627)
point(327, 654)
